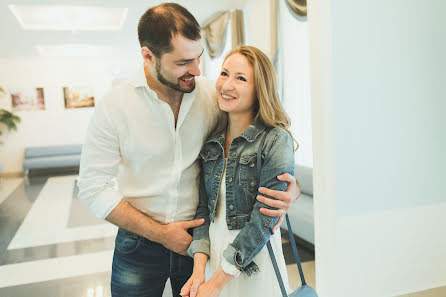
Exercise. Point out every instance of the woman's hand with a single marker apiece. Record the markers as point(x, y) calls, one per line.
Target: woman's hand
point(190, 288)
point(213, 287)
point(209, 289)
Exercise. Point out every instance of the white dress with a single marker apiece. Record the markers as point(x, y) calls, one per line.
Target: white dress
point(260, 283)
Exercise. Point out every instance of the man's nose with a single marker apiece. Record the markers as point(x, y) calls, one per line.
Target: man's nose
point(194, 68)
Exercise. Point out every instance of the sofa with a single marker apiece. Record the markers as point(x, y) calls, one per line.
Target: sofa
point(57, 156)
point(301, 213)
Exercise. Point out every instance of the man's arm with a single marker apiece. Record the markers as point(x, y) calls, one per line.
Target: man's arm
point(97, 186)
point(284, 199)
point(173, 236)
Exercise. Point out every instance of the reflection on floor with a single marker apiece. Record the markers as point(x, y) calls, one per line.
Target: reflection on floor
point(52, 246)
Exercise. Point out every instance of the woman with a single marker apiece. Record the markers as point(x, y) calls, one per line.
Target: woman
point(235, 232)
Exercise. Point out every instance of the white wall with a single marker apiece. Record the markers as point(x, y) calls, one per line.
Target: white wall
point(258, 24)
point(295, 67)
point(55, 125)
point(296, 82)
point(378, 105)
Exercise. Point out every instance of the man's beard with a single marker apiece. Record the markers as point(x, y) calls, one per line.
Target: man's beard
point(175, 86)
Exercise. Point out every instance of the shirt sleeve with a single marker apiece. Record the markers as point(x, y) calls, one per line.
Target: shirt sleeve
point(229, 268)
point(99, 164)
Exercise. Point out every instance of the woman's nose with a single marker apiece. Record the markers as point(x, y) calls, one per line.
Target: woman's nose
point(228, 84)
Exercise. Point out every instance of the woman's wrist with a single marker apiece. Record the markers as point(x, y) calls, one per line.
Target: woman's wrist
point(220, 278)
point(200, 260)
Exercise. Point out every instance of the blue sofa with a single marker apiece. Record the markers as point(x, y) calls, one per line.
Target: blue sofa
point(57, 156)
point(301, 213)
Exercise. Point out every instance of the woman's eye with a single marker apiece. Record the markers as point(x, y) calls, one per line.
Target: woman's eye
point(241, 78)
point(181, 64)
point(223, 73)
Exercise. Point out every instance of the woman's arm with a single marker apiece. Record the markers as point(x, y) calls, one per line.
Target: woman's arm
point(200, 242)
point(279, 158)
point(213, 287)
point(199, 248)
point(190, 288)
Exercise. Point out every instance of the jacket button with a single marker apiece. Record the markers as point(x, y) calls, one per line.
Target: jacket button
point(233, 154)
point(230, 179)
point(252, 184)
point(252, 165)
point(231, 207)
point(233, 224)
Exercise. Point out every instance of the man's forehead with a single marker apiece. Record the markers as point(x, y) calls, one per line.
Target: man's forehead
point(184, 48)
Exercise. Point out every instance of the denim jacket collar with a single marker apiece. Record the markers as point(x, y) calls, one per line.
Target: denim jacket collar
point(250, 134)
point(253, 130)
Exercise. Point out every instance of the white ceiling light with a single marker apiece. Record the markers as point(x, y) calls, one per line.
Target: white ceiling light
point(74, 50)
point(72, 18)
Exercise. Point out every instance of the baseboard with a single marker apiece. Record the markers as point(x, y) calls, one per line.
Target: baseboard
point(11, 174)
point(435, 292)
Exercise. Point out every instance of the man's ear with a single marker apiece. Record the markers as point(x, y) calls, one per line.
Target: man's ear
point(147, 55)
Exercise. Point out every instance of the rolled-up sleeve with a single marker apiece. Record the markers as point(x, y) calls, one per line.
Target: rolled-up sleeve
point(99, 164)
point(201, 242)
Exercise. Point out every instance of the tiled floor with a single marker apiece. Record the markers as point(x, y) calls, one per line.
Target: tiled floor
point(52, 246)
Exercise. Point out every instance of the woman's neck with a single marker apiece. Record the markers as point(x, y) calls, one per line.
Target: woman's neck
point(237, 124)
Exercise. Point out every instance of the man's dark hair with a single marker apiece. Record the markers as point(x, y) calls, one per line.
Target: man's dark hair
point(160, 23)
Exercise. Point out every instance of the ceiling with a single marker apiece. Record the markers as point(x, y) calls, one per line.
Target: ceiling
point(16, 42)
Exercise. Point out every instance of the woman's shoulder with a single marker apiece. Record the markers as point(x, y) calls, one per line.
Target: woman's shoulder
point(279, 139)
point(277, 133)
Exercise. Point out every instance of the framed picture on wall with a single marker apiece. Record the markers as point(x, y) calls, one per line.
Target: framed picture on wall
point(78, 96)
point(27, 99)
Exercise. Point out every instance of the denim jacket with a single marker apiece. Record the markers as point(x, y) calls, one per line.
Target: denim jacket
point(242, 183)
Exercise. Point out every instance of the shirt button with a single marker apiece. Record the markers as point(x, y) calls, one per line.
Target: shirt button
point(230, 179)
point(231, 207)
point(233, 154)
point(252, 165)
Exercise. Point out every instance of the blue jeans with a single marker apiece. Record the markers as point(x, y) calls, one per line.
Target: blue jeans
point(141, 267)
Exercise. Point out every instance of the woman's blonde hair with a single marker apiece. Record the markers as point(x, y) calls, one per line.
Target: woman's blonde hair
point(268, 107)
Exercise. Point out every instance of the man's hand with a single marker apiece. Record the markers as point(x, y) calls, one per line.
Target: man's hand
point(175, 235)
point(284, 199)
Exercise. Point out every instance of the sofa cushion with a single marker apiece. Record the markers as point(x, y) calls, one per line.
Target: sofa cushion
point(304, 176)
point(302, 218)
point(52, 162)
point(56, 150)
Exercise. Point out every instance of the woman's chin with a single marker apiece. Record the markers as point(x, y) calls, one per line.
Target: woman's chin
point(224, 107)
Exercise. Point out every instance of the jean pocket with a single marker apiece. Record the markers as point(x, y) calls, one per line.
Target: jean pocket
point(126, 244)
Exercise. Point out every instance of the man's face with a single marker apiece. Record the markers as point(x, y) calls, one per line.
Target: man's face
point(178, 68)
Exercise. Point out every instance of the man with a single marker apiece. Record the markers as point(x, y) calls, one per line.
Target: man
point(138, 167)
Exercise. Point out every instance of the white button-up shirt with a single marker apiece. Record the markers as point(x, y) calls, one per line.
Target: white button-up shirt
point(133, 151)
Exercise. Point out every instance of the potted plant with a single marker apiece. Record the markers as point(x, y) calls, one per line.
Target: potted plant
point(7, 119)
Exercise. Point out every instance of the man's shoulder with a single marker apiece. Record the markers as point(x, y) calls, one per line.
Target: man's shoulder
point(205, 87)
point(118, 92)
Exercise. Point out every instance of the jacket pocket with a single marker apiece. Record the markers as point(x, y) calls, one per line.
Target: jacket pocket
point(208, 162)
point(248, 178)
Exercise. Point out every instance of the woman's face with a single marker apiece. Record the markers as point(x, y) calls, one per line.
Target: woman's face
point(235, 86)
